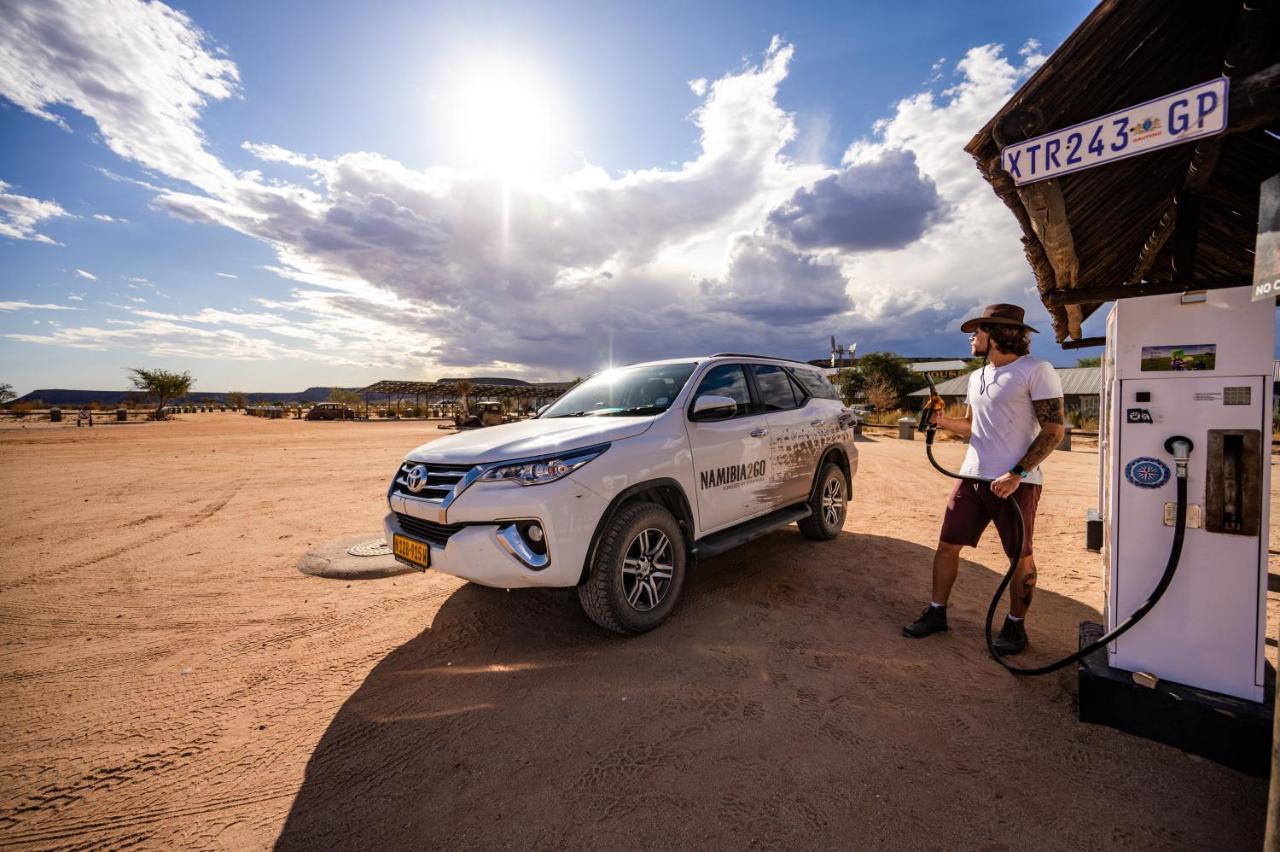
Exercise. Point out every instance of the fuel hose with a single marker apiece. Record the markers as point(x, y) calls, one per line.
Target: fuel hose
point(1170, 568)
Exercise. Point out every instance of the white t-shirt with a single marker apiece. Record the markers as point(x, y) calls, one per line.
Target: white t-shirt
point(1003, 420)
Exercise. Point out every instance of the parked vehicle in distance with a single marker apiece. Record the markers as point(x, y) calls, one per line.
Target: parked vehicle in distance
point(330, 411)
point(486, 412)
point(627, 479)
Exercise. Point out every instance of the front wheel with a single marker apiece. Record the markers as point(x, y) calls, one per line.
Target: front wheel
point(828, 505)
point(638, 570)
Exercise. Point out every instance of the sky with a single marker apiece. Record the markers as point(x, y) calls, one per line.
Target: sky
point(273, 200)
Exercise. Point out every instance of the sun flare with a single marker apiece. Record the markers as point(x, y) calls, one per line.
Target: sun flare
point(505, 119)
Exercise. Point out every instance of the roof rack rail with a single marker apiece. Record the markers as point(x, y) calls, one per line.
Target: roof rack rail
point(755, 355)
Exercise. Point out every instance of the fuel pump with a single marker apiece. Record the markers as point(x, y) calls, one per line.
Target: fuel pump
point(1201, 365)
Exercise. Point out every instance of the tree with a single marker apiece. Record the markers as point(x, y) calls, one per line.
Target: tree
point(852, 384)
point(1089, 361)
point(6, 393)
point(162, 386)
point(237, 400)
point(881, 393)
point(893, 369)
point(349, 398)
point(464, 388)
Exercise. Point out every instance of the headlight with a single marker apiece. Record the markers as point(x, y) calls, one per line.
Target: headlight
point(540, 471)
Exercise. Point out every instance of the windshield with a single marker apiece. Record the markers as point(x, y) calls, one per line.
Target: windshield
point(624, 392)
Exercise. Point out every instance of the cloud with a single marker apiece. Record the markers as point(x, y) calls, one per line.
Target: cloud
point(740, 246)
point(973, 257)
point(882, 203)
point(168, 339)
point(103, 217)
point(771, 283)
point(28, 306)
point(84, 274)
point(141, 71)
point(226, 275)
point(21, 214)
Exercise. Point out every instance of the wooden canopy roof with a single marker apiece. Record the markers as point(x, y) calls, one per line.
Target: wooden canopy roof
point(1180, 218)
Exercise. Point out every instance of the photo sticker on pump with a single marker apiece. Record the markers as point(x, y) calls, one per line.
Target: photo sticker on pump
point(1183, 357)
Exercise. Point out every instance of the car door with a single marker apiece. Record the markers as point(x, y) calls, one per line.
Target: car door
point(730, 456)
point(793, 444)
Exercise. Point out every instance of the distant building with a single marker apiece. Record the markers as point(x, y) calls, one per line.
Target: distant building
point(940, 369)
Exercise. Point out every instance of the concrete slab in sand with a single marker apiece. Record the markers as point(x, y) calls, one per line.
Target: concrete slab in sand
point(360, 558)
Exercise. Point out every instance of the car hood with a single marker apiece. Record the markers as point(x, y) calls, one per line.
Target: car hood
point(528, 438)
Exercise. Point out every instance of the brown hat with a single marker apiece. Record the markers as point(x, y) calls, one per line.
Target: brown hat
point(997, 315)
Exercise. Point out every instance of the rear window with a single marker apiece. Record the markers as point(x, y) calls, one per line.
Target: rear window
point(776, 391)
point(815, 384)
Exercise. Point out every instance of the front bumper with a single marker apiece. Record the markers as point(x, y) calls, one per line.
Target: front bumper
point(567, 511)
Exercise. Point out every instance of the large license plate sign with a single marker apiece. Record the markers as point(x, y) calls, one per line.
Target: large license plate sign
point(1171, 120)
point(408, 550)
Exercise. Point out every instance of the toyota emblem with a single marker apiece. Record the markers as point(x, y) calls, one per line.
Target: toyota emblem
point(416, 479)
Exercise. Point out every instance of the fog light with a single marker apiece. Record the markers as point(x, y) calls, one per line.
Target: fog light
point(534, 532)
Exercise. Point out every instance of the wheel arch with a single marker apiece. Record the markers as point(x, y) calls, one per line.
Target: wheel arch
point(837, 454)
point(665, 492)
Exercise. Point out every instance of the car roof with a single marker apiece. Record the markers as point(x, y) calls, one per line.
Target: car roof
point(697, 359)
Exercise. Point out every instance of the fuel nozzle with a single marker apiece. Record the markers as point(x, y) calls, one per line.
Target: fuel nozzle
point(1180, 447)
point(933, 404)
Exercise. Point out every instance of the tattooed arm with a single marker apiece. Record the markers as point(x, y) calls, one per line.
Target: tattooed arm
point(1049, 413)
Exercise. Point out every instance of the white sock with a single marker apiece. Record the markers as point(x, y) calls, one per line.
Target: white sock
point(937, 605)
point(1015, 618)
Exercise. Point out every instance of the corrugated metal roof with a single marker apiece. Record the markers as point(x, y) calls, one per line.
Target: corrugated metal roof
point(938, 366)
point(1075, 381)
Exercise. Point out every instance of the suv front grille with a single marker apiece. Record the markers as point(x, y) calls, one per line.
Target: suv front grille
point(440, 482)
point(428, 531)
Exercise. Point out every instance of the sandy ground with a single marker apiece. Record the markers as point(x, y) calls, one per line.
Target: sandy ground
point(170, 678)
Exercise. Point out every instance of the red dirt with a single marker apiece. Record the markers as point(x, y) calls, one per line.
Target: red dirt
point(171, 679)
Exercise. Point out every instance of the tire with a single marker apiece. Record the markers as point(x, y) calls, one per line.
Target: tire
point(829, 503)
point(625, 591)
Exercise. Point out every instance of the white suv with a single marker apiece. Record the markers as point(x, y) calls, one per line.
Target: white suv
point(622, 481)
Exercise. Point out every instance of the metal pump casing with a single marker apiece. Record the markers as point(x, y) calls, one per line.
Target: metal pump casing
point(1208, 630)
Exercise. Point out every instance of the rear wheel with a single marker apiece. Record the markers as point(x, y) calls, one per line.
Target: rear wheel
point(828, 505)
point(638, 570)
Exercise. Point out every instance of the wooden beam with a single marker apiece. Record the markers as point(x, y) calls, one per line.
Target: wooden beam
point(1249, 43)
point(1085, 343)
point(1046, 210)
point(1254, 101)
point(1149, 288)
point(1186, 233)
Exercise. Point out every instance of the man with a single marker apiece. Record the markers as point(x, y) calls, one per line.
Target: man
point(1014, 420)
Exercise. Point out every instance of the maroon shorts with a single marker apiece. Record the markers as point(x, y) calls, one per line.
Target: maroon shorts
point(972, 506)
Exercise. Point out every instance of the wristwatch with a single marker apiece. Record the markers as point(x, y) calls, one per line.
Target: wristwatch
point(1018, 469)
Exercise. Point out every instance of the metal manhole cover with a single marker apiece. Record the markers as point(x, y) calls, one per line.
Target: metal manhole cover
point(374, 547)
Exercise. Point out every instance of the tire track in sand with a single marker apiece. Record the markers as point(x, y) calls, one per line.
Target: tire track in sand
point(205, 513)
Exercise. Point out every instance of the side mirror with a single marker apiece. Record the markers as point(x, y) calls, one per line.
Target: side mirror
point(713, 407)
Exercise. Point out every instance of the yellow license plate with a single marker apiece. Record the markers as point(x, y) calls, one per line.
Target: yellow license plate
point(411, 551)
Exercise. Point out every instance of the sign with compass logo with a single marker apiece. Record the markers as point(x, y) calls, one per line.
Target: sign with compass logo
point(1146, 472)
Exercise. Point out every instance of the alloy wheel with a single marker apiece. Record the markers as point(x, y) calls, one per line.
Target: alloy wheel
point(833, 502)
point(646, 569)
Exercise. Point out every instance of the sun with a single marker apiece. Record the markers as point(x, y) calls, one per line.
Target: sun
point(504, 118)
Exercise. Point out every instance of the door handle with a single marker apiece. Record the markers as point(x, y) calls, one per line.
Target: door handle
point(759, 433)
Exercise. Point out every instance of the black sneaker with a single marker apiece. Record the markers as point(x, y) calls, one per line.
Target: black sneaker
point(1012, 639)
point(932, 620)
